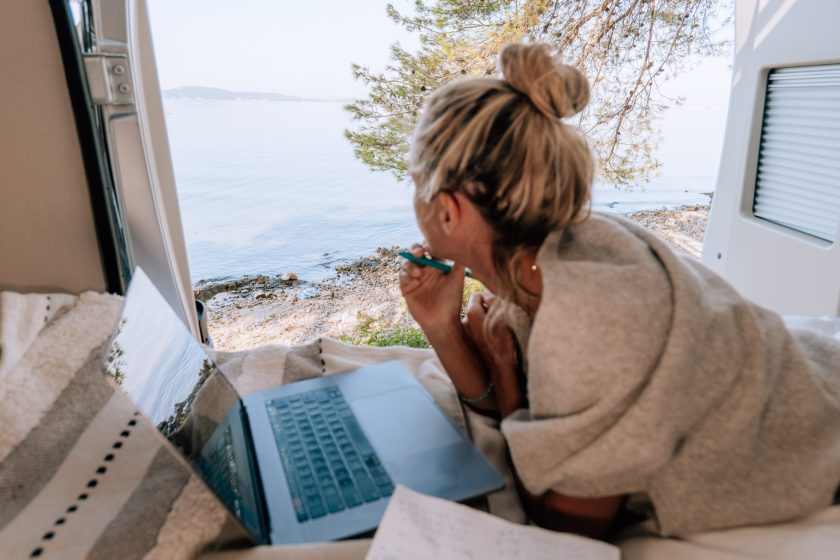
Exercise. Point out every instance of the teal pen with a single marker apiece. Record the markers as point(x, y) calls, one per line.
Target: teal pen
point(425, 261)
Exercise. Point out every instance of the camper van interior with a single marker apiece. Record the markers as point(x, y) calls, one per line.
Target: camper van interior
point(88, 196)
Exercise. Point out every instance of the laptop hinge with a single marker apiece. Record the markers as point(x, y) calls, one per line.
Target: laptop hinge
point(109, 79)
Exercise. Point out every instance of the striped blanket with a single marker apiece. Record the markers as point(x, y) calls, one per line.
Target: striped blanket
point(82, 475)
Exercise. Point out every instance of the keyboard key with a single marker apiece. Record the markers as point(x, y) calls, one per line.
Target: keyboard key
point(316, 509)
point(351, 496)
point(334, 503)
point(300, 511)
point(366, 487)
point(372, 461)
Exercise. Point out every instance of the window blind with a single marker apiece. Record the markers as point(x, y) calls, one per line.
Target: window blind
point(798, 180)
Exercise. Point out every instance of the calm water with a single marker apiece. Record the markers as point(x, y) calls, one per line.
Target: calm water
point(273, 187)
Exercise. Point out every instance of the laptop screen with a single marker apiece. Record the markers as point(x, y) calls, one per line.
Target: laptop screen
point(162, 368)
point(174, 383)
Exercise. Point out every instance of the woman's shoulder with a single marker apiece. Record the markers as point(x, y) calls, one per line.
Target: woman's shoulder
point(601, 281)
point(601, 238)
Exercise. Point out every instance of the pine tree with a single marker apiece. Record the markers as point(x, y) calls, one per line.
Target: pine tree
point(625, 48)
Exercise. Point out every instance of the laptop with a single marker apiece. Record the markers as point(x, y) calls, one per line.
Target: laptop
point(310, 461)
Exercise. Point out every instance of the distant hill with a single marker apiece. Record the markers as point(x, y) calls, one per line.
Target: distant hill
point(201, 92)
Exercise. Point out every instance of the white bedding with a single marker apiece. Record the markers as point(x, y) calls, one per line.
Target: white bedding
point(816, 537)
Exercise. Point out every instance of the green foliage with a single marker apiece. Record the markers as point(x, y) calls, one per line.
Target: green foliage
point(369, 332)
point(115, 360)
point(625, 47)
point(471, 286)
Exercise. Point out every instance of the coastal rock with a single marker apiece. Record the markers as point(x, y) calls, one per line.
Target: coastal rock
point(346, 319)
point(309, 293)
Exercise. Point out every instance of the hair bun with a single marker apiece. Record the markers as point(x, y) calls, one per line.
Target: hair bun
point(557, 90)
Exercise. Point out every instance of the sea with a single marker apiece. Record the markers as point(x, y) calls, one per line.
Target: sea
point(270, 187)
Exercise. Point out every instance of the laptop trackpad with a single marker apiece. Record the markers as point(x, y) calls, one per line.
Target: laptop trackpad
point(403, 422)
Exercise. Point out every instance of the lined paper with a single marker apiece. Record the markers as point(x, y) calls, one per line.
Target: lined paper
point(416, 526)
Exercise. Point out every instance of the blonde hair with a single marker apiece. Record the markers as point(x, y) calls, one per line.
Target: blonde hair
point(502, 143)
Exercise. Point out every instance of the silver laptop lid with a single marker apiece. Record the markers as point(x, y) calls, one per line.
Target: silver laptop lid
point(176, 385)
point(162, 368)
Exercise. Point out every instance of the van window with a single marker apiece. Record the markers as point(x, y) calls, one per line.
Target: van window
point(798, 179)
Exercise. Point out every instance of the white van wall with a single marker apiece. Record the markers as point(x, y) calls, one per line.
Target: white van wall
point(774, 265)
point(47, 236)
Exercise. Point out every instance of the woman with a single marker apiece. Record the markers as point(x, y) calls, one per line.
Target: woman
point(632, 371)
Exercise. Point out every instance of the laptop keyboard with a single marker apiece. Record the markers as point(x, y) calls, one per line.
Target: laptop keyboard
point(329, 462)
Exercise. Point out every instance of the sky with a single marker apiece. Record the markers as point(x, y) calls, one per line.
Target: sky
point(295, 48)
point(306, 49)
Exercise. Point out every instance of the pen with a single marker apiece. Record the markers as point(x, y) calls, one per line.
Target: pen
point(425, 261)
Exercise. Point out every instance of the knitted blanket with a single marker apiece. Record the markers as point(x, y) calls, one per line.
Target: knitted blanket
point(650, 374)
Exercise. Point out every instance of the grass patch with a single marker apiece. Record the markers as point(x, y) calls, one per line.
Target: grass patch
point(370, 333)
point(471, 286)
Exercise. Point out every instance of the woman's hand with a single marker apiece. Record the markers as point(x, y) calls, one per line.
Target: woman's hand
point(497, 349)
point(434, 300)
point(433, 297)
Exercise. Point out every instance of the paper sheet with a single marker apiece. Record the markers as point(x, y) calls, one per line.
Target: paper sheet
point(421, 527)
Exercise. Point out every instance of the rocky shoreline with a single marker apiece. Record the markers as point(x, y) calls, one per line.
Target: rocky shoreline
point(363, 297)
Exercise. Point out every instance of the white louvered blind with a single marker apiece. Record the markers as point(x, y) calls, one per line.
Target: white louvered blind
point(798, 181)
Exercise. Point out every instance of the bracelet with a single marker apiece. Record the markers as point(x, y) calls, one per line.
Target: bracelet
point(479, 398)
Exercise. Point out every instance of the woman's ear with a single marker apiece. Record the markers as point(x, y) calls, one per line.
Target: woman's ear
point(450, 211)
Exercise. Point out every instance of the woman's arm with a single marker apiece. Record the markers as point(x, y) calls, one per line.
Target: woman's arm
point(434, 300)
point(592, 517)
point(461, 360)
point(497, 355)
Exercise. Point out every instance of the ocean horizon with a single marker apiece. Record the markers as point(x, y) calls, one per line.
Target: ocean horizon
point(269, 187)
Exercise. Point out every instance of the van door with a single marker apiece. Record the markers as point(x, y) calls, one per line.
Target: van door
point(119, 61)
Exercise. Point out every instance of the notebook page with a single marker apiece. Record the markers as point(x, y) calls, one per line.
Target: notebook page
point(416, 526)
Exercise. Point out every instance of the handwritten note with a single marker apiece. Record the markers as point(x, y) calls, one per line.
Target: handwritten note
point(416, 526)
